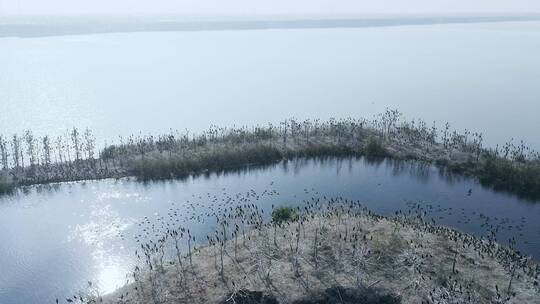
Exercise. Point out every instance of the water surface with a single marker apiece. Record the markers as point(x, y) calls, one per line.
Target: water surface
point(55, 239)
point(482, 77)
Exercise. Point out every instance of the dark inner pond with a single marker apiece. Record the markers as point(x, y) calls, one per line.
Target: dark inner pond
point(54, 239)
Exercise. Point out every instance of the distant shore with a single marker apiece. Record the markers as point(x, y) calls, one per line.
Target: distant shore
point(96, 25)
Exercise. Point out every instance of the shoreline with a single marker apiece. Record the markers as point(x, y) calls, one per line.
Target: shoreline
point(141, 25)
point(328, 246)
point(514, 169)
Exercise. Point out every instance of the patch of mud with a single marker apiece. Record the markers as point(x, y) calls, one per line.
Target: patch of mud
point(249, 297)
point(334, 295)
point(341, 295)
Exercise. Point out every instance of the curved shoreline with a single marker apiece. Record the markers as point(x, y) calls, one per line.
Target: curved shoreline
point(511, 168)
point(331, 244)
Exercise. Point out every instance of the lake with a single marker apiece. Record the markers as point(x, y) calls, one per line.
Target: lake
point(54, 239)
point(482, 76)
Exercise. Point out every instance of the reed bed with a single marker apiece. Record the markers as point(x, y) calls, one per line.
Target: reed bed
point(26, 159)
point(330, 250)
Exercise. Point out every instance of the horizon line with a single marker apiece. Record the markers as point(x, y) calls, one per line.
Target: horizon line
point(36, 29)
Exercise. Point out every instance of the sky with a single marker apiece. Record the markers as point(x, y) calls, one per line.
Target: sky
point(264, 7)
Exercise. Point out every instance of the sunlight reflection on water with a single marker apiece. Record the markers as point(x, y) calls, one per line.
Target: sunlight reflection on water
point(59, 239)
point(106, 226)
point(112, 275)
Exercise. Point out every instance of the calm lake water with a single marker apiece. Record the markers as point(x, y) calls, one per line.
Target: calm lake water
point(482, 77)
point(54, 239)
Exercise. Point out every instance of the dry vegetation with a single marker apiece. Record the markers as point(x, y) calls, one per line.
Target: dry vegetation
point(330, 251)
point(29, 160)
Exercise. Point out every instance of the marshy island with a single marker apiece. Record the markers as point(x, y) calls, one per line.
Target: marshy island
point(27, 160)
point(332, 250)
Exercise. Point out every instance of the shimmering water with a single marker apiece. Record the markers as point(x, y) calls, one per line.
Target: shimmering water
point(482, 77)
point(55, 239)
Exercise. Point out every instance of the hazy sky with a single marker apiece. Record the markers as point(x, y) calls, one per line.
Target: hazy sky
point(249, 7)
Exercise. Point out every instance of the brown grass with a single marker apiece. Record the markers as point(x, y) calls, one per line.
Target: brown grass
point(395, 257)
